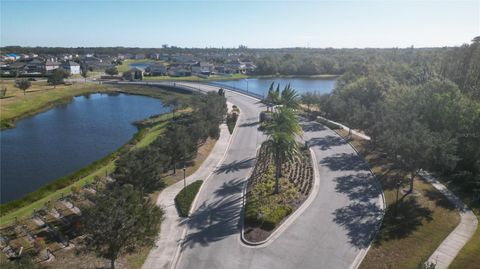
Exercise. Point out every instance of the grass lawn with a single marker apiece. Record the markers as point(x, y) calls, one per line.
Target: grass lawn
point(154, 128)
point(424, 219)
point(27, 210)
point(195, 78)
point(146, 136)
point(125, 66)
point(185, 197)
point(39, 97)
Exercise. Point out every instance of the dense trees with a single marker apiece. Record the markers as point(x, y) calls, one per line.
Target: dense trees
point(121, 221)
point(143, 168)
point(421, 111)
point(178, 144)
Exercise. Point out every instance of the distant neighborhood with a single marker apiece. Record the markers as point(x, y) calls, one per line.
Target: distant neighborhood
point(155, 64)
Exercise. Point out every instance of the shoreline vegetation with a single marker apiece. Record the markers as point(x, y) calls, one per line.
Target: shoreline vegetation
point(39, 98)
point(25, 205)
point(144, 169)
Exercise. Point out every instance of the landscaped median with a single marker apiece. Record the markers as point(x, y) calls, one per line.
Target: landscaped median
point(185, 197)
point(265, 210)
point(232, 118)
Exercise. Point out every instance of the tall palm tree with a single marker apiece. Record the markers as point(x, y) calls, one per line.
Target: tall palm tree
point(281, 143)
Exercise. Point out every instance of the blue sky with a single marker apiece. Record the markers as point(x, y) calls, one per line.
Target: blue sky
point(256, 24)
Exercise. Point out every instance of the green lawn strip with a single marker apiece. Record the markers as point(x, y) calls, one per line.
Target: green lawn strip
point(468, 257)
point(196, 78)
point(144, 137)
point(231, 122)
point(424, 220)
point(141, 139)
point(27, 210)
point(125, 66)
point(41, 100)
point(185, 197)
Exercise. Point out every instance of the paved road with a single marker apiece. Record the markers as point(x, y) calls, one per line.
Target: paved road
point(331, 233)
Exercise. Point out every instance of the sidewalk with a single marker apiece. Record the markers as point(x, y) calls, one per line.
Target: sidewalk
point(162, 255)
point(449, 248)
point(456, 240)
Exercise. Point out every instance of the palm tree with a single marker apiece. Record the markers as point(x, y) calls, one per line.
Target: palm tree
point(289, 98)
point(281, 143)
point(272, 97)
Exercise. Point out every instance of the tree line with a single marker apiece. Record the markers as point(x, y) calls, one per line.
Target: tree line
point(424, 113)
point(122, 218)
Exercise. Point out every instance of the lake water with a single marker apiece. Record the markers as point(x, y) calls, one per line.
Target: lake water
point(260, 85)
point(66, 138)
point(141, 65)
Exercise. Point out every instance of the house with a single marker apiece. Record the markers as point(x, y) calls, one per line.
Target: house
point(34, 67)
point(72, 67)
point(51, 65)
point(235, 67)
point(136, 74)
point(179, 72)
point(12, 56)
point(139, 56)
point(203, 68)
point(156, 69)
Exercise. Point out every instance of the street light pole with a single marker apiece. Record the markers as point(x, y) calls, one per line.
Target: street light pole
point(184, 178)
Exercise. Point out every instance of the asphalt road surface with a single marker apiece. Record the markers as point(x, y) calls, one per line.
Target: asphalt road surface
point(331, 233)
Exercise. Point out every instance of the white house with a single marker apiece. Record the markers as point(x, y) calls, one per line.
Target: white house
point(72, 67)
point(51, 65)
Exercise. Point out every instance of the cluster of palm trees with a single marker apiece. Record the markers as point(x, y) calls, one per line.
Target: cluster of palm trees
point(283, 128)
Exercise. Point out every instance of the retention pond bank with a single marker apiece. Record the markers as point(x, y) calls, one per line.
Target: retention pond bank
point(66, 138)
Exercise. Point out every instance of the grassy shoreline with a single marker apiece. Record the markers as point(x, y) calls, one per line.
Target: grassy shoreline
point(39, 98)
point(36, 199)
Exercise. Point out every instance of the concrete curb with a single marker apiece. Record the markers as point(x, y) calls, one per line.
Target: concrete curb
point(290, 219)
point(361, 255)
point(178, 253)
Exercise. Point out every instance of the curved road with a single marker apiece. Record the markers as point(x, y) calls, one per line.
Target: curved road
point(336, 228)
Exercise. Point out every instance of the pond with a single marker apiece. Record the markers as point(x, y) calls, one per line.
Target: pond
point(60, 141)
point(260, 85)
point(140, 65)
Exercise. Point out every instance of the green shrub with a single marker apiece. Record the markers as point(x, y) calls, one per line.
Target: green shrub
point(251, 213)
point(272, 218)
point(268, 216)
point(231, 121)
point(185, 197)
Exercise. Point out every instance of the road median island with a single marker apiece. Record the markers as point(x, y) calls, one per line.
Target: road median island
point(265, 212)
point(184, 199)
